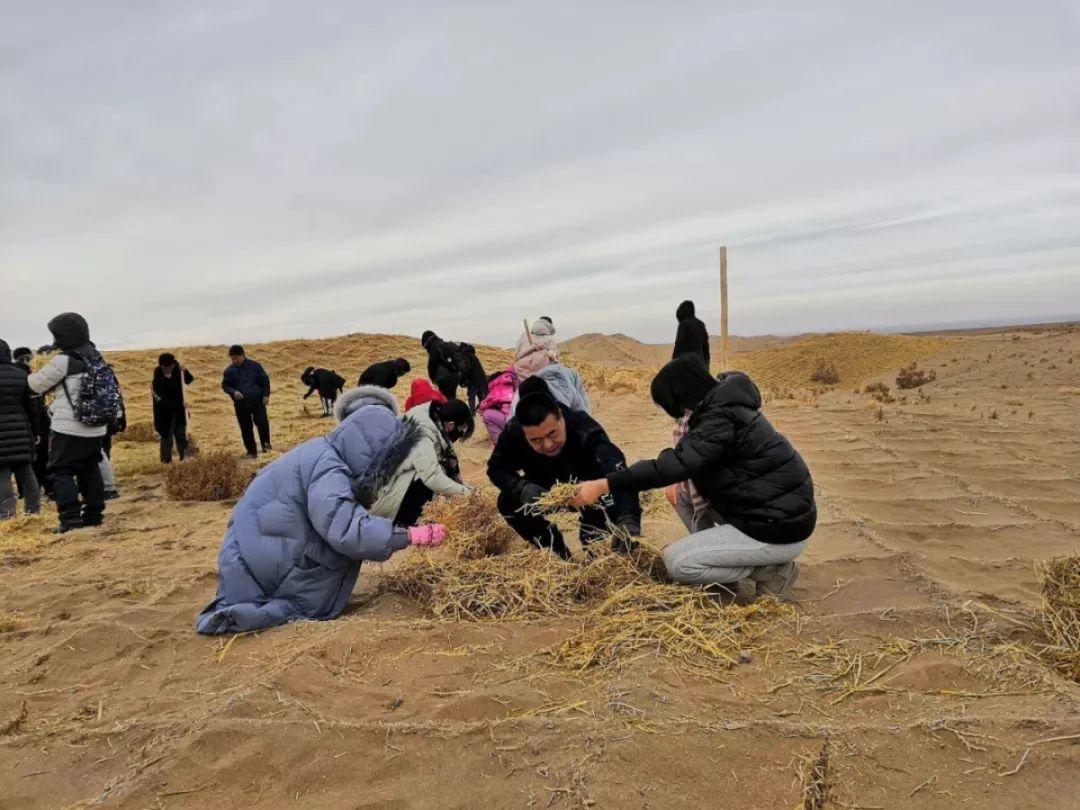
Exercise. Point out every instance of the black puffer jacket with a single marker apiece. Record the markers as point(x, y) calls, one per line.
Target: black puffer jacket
point(692, 335)
point(385, 374)
point(744, 468)
point(17, 412)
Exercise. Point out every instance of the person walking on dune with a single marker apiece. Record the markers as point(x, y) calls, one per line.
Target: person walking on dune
point(536, 349)
point(327, 382)
point(386, 374)
point(19, 433)
point(298, 536)
point(691, 336)
point(444, 366)
point(86, 398)
point(755, 510)
point(249, 386)
point(545, 444)
point(170, 413)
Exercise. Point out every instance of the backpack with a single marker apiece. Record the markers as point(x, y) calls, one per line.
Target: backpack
point(458, 357)
point(100, 401)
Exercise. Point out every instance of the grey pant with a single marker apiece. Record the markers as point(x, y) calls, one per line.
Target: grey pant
point(24, 472)
point(716, 553)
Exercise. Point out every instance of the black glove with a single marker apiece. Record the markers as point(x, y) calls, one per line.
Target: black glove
point(530, 493)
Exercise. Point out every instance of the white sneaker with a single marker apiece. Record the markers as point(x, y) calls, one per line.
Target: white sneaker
point(781, 582)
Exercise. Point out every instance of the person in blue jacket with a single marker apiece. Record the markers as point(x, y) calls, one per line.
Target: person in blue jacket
point(296, 539)
point(249, 386)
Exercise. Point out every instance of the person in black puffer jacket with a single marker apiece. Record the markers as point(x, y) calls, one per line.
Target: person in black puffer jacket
point(40, 423)
point(18, 434)
point(386, 374)
point(756, 491)
point(327, 382)
point(691, 336)
point(443, 369)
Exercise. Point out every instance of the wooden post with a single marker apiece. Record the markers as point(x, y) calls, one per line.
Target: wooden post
point(528, 334)
point(723, 310)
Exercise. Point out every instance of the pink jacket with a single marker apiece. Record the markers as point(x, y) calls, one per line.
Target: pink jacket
point(536, 350)
point(500, 392)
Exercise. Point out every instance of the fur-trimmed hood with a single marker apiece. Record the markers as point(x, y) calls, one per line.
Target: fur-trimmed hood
point(356, 398)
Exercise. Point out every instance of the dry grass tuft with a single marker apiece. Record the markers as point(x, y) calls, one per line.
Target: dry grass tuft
point(1061, 614)
point(556, 499)
point(914, 377)
point(139, 432)
point(11, 621)
point(474, 527)
point(825, 373)
point(212, 477)
point(817, 780)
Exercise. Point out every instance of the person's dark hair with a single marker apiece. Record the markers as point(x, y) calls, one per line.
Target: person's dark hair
point(236, 350)
point(682, 384)
point(401, 366)
point(546, 318)
point(21, 352)
point(534, 385)
point(455, 411)
point(534, 408)
point(166, 359)
point(307, 375)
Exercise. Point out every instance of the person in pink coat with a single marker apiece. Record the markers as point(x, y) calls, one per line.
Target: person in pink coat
point(536, 349)
point(495, 409)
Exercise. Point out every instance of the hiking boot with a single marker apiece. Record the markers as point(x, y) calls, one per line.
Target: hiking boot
point(779, 584)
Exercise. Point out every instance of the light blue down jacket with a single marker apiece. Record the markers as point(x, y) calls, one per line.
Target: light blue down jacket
point(294, 544)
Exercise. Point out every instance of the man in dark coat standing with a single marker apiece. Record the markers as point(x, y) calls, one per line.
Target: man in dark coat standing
point(249, 386)
point(18, 435)
point(170, 415)
point(386, 374)
point(442, 367)
point(39, 422)
point(692, 336)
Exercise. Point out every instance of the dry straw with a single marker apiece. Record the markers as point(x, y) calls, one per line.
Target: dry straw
point(139, 432)
point(211, 477)
point(1061, 614)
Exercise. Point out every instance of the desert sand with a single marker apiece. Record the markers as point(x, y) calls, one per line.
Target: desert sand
point(911, 650)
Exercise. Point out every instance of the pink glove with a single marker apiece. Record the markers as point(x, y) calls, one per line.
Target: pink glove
point(432, 535)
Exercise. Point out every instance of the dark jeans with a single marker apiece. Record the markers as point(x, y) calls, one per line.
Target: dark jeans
point(542, 533)
point(416, 498)
point(41, 465)
point(448, 384)
point(177, 431)
point(73, 467)
point(249, 414)
point(28, 489)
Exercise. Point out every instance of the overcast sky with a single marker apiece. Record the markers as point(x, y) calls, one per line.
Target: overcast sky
point(186, 172)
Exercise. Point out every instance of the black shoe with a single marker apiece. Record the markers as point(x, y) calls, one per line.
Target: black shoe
point(113, 495)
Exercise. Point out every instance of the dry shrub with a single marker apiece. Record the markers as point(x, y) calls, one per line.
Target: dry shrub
point(825, 373)
point(615, 380)
point(213, 477)
point(880, 392)
point(139, 432)
point(1061, 614)
point(817, 780)
point(475, 529)
point(914, 377)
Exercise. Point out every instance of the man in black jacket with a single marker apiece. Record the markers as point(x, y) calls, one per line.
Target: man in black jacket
point(249, 386)
point(544, 445)
point(327, 382)
point(757, 507)
point(42, 424)
point(691, 335)
point(18, 435)
point(442, 364)
point(170, 413)
point(386, 374)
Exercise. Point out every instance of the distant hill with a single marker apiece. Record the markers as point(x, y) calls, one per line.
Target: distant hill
point(623, 350)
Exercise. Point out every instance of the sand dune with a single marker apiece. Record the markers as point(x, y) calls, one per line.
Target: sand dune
point(911, 652)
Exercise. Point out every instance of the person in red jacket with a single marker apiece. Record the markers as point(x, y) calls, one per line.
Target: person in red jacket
point(421, 393)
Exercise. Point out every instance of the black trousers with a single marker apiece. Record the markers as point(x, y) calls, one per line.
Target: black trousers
point(542, 533)
point(175, 432)
point(252, 415)
point(416, 498)
point(477, 394)
point(448, 384)
point(73, 468)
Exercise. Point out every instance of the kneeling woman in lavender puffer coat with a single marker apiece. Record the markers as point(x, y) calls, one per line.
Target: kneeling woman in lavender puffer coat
point(297, 537)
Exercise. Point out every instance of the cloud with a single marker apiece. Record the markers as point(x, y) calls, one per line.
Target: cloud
point(208, 172)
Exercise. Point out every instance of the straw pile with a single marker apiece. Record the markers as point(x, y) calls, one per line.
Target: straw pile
point(473, 523)
point(211, 477)
point(1061, 614)
point(555, 500)
point(139, 432)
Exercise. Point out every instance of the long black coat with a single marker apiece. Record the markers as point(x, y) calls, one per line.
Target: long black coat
point(17, 414)
point(740, 463)
point(692, 336)
point(169, 399)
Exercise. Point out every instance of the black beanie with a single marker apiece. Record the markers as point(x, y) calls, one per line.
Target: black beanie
point(236, 350)
point(426, 338)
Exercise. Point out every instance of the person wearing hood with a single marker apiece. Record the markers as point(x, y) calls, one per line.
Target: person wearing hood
point(545, 444)
point(442, 367)
point(757, 496)
point(386, 374)
point(18, 436)
point(536, 349)
point(421, 392)
point(299, 534)
point(75, 448)
point(248, 384)
point(170, 411)
point(691, 336)
point(327, 382)
point(561, 382)
point(495, 409)
point(432, 467)
point(23, 356)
